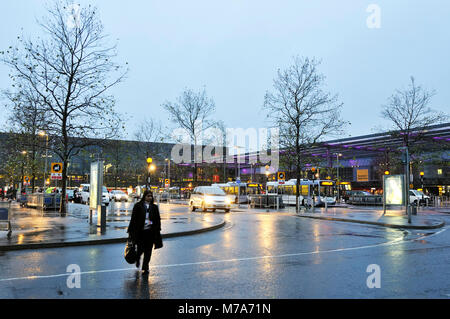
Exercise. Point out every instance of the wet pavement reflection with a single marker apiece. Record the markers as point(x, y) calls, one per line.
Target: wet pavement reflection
point(256, 255)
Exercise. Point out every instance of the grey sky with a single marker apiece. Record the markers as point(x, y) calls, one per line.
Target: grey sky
point(234, 48)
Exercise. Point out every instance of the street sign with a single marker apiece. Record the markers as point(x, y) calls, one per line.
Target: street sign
point(281, 176)
point(167, 182)
point(57, 176)
point(56, 171)
point(26, 180)
point(56, 168)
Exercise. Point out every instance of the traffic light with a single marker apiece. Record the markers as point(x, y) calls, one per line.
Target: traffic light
point(386, 172)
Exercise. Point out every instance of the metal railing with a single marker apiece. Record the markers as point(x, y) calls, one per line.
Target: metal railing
point(440, 201)
point(366, 200)
point(266, 201)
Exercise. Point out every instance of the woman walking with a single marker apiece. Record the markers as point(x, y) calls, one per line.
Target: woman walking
point(145, 229)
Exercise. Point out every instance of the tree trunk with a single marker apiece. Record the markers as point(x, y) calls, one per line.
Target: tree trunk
point(63, 208)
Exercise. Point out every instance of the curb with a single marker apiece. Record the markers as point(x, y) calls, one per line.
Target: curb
point(104, 241)
point(442, 223)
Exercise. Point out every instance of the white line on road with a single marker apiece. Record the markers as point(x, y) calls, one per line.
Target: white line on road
point(390, 243)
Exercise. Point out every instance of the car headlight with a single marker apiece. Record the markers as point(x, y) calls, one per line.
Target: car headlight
point(228, 200)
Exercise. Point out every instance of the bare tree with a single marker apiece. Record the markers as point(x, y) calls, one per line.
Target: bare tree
point(71, 71)
point(192, 112)
point(150, 136)
point(409, 113)
point(302, 111)
point(26, 121)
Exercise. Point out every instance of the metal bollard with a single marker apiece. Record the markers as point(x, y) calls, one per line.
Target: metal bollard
point(101, 216)
point(112, 206)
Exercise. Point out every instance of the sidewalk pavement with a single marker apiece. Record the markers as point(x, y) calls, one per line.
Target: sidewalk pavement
point(425, 219)
point(32, 228)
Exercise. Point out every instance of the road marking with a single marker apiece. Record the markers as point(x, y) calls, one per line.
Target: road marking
point(208, 262)
point(390, 243)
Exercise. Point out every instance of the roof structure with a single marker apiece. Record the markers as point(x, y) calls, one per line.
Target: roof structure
point(370, 145)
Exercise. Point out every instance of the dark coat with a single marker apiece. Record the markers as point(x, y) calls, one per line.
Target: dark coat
point(137, 222)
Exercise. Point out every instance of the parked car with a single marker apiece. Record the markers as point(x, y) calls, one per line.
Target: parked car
point(418, 197)
point(209, 197)
point(133, 196)
point(85, 194)
point(118, 196)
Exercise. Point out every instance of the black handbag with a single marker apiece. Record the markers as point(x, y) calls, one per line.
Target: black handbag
point(130, 253)
point(158, 241)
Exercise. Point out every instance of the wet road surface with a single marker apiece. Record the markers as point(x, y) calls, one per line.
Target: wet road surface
point(256, 255)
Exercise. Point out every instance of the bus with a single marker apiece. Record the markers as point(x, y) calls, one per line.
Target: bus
point(241, 191)
point(288, 189)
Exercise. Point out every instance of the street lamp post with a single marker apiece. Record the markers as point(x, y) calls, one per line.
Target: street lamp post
point(337, 175)
point(149, 170)
point(23, 169)
point(43, 133)
point(421, 182)
point(238, 160)
point(168, 170)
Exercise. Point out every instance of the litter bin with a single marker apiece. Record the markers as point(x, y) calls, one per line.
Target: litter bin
point(414, 209)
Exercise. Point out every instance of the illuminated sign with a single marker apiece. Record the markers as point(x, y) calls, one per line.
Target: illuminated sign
point(393, 189)
point(281, 176)
point(326, 183)
point(56, 168)
point(96, 185)
point(362, 175)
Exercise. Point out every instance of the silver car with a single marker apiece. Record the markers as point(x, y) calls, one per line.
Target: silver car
point(119, 196)
point(209, 197)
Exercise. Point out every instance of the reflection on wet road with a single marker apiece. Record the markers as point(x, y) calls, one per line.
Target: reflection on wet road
point(256, 255)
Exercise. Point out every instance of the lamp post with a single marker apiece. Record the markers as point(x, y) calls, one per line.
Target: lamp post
point(337, 175)
point(23, 168)
point(149, 169)
point(168, 173)
point(421, 182)
point(238, 160)
point(43, 133)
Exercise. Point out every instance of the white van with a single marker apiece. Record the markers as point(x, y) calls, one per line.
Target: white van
point(418, 197)
point(85, 193)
